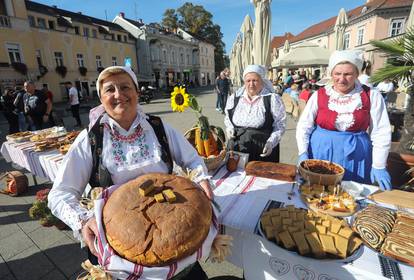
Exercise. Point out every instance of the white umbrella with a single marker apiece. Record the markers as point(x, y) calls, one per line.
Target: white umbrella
point(247, 44)
point(286, 47)
point(232, 63)
point(410, 21)
point(305, 54)
point(238, 67)
point(261, 32)
point(340, 26)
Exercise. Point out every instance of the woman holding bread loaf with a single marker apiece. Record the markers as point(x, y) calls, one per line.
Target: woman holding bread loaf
point(121, 145)
point(347, 123)
point(255, 117)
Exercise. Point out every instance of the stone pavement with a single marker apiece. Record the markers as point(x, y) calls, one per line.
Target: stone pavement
point(30, 251)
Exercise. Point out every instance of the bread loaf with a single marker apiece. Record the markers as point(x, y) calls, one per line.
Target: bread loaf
point(271, 170)
point(150, 233)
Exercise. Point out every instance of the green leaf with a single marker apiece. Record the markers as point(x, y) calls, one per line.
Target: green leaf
point(194, 104)
point(204, 126)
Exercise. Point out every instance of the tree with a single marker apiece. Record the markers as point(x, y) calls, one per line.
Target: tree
point(196, 20)
point(170, 19)
point(400, 65)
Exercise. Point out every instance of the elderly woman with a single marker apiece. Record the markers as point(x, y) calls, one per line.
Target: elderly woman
point(123, 144)
point(347, 123)
point(255, 117)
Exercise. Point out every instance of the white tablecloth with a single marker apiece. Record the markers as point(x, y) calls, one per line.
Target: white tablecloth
point(43, 164)
point(242, 199)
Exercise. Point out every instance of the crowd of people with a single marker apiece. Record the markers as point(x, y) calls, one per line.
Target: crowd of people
point(28, 109)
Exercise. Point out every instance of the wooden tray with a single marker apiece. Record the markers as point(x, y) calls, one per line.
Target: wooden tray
point(330, 212)
point(394, 197)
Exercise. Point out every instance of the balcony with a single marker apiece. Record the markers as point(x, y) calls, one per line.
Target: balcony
point(5, 21)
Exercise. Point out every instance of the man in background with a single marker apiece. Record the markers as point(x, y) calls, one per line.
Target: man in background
point(37, 107)
point(74, 102)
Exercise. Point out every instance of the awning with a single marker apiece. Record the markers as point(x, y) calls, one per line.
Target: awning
point(305, 55)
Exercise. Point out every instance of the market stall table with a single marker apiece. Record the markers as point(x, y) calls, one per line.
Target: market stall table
point(243, 198)
point(42, 164)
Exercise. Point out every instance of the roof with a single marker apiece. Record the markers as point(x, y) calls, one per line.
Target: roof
point(78, 17)
point(328, 24)
point(134, 22)
point(278, 41)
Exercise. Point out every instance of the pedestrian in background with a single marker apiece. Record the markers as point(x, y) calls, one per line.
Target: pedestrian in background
point(223, 88)
point(19, 105)
point(9, 110)
point(37, 107)
point(74, 102)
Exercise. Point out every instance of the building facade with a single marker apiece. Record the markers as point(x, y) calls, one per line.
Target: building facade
point(169, 57)
point(58, 46)
point(375, 20)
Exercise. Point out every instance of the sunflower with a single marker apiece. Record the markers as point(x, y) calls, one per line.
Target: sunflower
point(179, 99)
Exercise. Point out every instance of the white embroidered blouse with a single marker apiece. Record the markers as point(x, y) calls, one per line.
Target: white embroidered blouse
point(251, 113)
point(126, 155)
point(345, 105)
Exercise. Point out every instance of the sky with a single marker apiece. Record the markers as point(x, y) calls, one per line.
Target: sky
point(287, 15)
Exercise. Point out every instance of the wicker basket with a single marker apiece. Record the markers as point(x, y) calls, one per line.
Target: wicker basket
point(16, 183)
point(214, 161)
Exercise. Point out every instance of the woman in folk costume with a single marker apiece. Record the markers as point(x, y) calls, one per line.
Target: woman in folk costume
point(347, 123)
point(121, 144)
point(255, 117)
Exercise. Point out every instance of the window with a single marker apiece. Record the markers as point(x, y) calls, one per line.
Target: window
point(77, 30)
point(164, 56)
point(94, 33)
point(207, 61)
point(39, 58)
point(188, 59)
point(346, 41)
point(86, 32)
point(14, 52)
point(181, 58)
point(79, 59)
point(114, 63)
point(119, 38)
point(98, 61)
point(51, 24)
point(360, 36)
point(125, 38)
point(32, 21)
point(397, 25)
point(59, 58)
point(41, 23)
point(172, 57)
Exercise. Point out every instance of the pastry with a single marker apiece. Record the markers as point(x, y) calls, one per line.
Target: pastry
point(301, 244)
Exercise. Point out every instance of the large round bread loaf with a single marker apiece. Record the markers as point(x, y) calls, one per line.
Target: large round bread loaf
point(150, 233)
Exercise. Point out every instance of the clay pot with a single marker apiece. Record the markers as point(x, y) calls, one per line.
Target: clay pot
point(232, 161)
point(397, 165)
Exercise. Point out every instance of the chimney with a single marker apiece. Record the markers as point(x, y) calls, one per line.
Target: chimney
point(80, 13)
point(140, 21)
point(121, 15)
point(54, 6)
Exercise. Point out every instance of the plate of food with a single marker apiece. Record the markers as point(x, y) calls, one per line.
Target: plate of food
point(45, 145)
point(19, 136)
point(387, 232)
point(331, 200)
point(310, 234)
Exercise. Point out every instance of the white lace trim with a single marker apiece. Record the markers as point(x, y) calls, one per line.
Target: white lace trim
point(345, 106)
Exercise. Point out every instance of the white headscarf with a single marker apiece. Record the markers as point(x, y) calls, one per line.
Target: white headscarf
point(261, 71)
point(354, 57)
point(126, 69)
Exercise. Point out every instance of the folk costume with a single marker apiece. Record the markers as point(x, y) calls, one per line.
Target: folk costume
point(256, 123)
point(350, 129)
